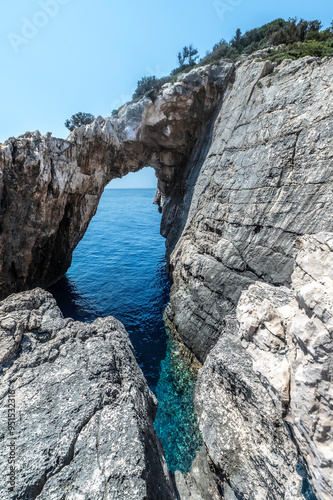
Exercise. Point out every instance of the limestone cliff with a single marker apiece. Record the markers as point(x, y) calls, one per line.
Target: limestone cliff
point(244, 159)
point(260, 177)
point(83, 413)
point(264, 178)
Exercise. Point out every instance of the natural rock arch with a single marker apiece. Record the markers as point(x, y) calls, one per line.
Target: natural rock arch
point(50, 188)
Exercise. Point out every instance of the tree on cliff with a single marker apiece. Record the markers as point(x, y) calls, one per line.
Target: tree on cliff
point(78, 120)
point(147, 86)
point(235, 41)
point(188, 57)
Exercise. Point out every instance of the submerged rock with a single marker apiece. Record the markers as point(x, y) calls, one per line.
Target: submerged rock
point(264, 395)
point(84, 414)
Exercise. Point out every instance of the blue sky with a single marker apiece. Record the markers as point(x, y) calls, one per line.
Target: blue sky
point(63, 56)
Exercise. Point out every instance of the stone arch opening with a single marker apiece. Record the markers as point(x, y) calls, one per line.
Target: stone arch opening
point(118, 269)
point(50, 188)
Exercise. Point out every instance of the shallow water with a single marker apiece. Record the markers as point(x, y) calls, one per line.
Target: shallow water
point(118, 269)
point(174, 392)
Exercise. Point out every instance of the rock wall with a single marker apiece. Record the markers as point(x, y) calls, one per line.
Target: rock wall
point(264, 395)
point(260, 176)
point(50, 188)
point(83, 411)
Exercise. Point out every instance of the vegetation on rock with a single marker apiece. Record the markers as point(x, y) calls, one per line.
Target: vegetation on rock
point(290, 39)
point(78, 120)
point(148, 86)
point(187, 59)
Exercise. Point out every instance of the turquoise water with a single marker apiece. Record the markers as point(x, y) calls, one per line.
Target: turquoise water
point(118, 269)
point(174, 391)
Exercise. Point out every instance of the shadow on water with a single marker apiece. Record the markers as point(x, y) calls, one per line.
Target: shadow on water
point(145, 328)
point(118, 270)
point(72, 304)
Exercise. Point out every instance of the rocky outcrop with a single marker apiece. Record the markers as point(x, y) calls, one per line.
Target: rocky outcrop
point(76, 412)
point(260, 176)
point(242, 430)
point(50, 188)
point(264, 395)
point(244, 159)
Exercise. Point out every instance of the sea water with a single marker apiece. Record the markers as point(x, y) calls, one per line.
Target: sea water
point(118, 269)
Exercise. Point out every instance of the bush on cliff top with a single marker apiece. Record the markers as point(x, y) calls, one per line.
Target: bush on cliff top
point(186, 59)
point(312, 48)
point(149, 86)
point(290, 39)
point(299, 38)
point(78, 120)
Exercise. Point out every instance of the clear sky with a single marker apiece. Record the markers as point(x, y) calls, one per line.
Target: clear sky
point(59, 57)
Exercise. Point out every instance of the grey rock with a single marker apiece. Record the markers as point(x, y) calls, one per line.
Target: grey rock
point(84, 413)
point(242, 429)
point(50, 188)
point(272, 371)
point(202, 483)
point(260, 176)
point(310, 355)
point(244, 157)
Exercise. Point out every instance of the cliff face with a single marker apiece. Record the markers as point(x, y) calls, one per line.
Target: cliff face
point(261, 178)
point(244, 160)
point(83, 411)
point(50, 188)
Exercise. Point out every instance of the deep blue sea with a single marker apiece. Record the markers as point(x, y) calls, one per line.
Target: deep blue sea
point(118, 269)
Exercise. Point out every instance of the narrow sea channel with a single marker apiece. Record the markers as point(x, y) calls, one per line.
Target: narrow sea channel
point(118, 269)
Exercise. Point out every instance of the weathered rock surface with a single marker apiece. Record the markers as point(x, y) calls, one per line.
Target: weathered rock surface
point(259, 177)
point(50, 188)
point(241, 427)
point(270, 372)
point(202, 483)
point(84, 413)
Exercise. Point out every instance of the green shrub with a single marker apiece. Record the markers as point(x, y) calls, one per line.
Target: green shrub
point(221, 50)
point(78, 120)
point(147, 87)
point(308, 48)
point(290, 39)
point(188, 56)
point(299, 38)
